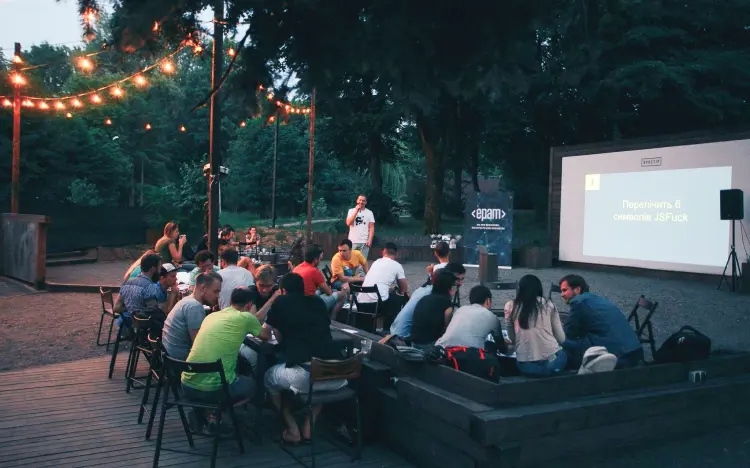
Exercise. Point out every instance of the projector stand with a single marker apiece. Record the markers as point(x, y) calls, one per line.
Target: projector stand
point(735, 266)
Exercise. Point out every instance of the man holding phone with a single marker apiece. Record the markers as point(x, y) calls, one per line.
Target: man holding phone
point(361, 224)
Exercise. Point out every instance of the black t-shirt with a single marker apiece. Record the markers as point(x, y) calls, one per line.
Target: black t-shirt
point(304, 325)
point(428, 323)
point(259, 300)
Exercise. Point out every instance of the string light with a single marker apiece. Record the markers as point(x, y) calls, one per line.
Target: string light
point(85, 64)
point(18, 80)
point(140, 80)
point(243, 124)
point(96, 99)
point(59, 105)
point(183, 129)
point(156, 26)
point(148, 126)
point(17, 59)
point(69, 115)
point(77, 103)
point(231, 52)
point(167, 67)
point(7, 103)
point(28, 103)
point(198, 49)
point(108, 122)
point(43, 105)
point(90, 15)
point(272, 118)
point(117, 91)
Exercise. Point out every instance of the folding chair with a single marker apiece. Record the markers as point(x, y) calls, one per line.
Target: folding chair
point(355, 308)
point(108, 309)
point(321, 371)
point(172, 370)
point(643, 329)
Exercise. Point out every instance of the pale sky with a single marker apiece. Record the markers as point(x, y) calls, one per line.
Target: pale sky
point(32, 22)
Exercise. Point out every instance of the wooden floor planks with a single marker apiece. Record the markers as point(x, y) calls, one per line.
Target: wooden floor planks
point(70, 414)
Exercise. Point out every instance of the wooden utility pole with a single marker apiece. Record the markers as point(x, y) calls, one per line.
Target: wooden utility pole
point(15, 190)
point(214, 151)
point(273, 181)
point(310, 168)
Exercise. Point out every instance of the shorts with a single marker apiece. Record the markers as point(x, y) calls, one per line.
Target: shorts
point(329, 300)
point(279, 378)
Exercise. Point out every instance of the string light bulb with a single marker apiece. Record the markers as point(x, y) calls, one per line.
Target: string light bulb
point(108, 122)
point(77, 103)
point(156, 26)
point(183, 129)
point(43, 105)
point(148, 126)
point(96, 99)
point(270, 96)
point(140, 80)
point(7, 103)
point(17, 59)
point(243, 124)
point(59, 105)
point(198, 49)
point(90, 15)
point(117, 91)
point(18, 80)
point(167, 67)
point(272, 118)
point(85, 64)
point(69, 115)
point(28, 103)
point(231, 52)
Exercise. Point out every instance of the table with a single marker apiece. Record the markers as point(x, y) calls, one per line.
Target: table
point(267, 354)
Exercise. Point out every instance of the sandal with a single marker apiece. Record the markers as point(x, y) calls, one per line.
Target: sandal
point(288, 440)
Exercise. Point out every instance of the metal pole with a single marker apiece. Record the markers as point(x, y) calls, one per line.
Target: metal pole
point(310, 168)
point(273, 180)
point(15, 190)
point(214, 151)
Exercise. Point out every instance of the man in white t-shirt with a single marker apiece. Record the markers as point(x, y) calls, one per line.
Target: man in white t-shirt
point(384, 273)
point(361, 224)
point(232, 276)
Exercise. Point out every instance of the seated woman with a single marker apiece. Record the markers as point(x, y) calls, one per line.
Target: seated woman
point(534, 328)
point(252, 238)
point(170, 245)
point(432, 314)
point(302, 327)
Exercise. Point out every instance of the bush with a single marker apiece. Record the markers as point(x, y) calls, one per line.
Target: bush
point(416, 197)
point(320, 208)
point(384, 208)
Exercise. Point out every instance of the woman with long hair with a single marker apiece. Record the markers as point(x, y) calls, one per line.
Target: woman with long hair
point(534, 327)
point(135, 269)
point(169, 247)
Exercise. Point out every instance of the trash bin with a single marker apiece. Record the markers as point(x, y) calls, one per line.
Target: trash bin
point(487, 266)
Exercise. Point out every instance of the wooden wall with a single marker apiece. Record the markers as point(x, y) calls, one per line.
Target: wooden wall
point(23, 248)
point(557, 154)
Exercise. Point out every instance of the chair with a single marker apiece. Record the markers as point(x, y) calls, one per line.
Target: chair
point(124, 333)
point(108, 308)
point(172, 370)
point(140, 346)
point(355, 308)
point(321, 371)
point(643, 328)
point(154, 373)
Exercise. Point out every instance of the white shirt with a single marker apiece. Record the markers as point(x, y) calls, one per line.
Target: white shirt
point(233, 277)
point(384, 272)
point(359, 231)
point(439, 266)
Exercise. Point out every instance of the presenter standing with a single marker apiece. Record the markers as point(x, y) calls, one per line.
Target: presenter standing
point(361, 224)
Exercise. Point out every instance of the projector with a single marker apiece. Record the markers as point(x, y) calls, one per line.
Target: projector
point(222, 170)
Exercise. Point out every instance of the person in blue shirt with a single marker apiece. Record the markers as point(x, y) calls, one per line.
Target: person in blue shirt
point(138, 292)
point(596, 321)
point(401, 326)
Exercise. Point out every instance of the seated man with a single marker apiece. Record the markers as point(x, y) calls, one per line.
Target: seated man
point(205, 262)
point(137, 293)
point(402, 324)
point(348, 265)
point(595, 321)
point(233, 276)
point(442, 252)
point(384, 272)
point(184, 321)
point(264, 292)
point(301, 324)
point(220, 337)
point(471, 323)
point(315, 282)
point(168, 284)
point(433, 312)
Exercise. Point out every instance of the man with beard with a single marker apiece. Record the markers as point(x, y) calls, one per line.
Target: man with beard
point(185, 319)
point(138, 292)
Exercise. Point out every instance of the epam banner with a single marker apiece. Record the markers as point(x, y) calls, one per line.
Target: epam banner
point(489, 222)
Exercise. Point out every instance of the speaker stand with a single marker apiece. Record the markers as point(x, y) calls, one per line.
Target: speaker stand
point(735, 266)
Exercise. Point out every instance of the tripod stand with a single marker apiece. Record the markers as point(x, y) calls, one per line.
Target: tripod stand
point(735, 265)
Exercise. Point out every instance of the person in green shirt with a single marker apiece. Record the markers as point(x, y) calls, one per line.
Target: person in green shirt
point(220, 337)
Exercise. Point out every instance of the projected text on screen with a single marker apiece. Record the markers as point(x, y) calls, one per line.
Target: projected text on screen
point(659, 216)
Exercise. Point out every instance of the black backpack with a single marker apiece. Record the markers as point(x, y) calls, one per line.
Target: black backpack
point(688, 344)
point(474, 361)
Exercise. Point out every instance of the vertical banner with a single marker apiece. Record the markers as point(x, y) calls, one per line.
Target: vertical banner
point(489, 222)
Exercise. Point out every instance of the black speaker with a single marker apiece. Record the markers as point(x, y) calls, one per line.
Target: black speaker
point(731, 204)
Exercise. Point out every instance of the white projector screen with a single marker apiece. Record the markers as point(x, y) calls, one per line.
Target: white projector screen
point(656, 208)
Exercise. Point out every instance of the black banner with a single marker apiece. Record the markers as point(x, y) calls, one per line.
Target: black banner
point(489, 222)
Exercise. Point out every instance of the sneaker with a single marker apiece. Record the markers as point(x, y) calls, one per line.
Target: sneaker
point(597, 359)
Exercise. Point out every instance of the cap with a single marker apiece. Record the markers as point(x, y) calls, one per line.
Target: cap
point(167, 268)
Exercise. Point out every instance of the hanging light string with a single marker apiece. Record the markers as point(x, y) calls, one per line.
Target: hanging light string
point(83, 56)
point(96, 99)
point(283, 105)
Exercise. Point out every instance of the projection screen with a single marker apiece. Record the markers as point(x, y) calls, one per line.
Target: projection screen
point(655, 208)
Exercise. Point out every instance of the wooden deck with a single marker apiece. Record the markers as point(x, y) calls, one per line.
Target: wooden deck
point(71, 415)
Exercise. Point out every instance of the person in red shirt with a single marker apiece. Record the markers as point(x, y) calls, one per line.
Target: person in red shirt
point(315, 282)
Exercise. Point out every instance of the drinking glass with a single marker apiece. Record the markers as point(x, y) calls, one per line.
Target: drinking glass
point(366, 348)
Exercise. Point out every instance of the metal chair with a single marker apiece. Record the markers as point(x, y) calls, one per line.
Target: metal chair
point(140, 346)
point(643, 328)
point(108, 309)
point(321, 371)
point(172, 370)
point(356, 308)
point(155, 374)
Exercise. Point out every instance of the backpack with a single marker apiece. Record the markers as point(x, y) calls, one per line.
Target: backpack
point(474, 361)
point(688, 344)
